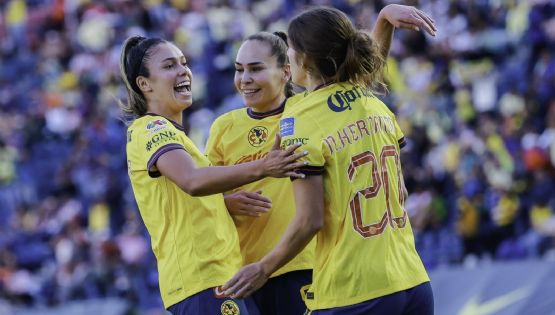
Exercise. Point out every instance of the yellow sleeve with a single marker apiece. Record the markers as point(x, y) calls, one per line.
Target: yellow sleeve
point(301, 129)
point(156, 137)
point(214, 149)
point(399, 135)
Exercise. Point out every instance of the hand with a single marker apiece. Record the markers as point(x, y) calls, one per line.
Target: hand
point(247, 203)
point(282, 163)
point(402, 16)
point(247, 280)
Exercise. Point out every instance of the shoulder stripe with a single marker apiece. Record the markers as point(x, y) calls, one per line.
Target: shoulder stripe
point(163, 149)
point(311, 170)
point(402, 142)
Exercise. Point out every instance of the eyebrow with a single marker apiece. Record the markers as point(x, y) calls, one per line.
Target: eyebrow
point(173, 59)
point(250, 63)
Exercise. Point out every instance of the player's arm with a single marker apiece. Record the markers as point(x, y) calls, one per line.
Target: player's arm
point(179, 167)
point(308, 220)
point(400, 16)
point(242, 202)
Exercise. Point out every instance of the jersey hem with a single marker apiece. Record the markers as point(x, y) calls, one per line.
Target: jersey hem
point(281, 272)
point(188, 293)
point(333, 303)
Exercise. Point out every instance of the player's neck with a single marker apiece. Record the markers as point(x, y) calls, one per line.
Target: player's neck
point(315, 83)
point(276, 103)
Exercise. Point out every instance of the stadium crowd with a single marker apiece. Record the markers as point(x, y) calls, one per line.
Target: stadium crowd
point(476, 103)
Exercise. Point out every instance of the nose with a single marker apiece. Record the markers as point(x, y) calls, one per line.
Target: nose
point(246, 77)
point(183, 69)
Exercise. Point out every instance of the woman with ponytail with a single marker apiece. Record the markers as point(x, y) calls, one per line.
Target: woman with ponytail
point(353, 193)
point(178, 193)
point(262, 210)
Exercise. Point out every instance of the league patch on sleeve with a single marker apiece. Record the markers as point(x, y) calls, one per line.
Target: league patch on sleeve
point(156, 125)
point(287, 126)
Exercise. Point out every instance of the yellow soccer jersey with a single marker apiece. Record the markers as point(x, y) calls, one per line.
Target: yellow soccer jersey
point(194, 239)
point(241, 136)
point(366, 246)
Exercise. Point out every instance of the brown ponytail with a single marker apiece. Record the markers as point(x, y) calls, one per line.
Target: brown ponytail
point(335, 50)
point(363, 64)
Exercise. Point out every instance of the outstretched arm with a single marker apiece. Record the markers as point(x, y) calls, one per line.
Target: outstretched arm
point(400, 16)
point(179, 167)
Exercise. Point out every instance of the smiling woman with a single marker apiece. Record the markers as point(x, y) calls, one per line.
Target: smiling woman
point(262, 72)
point(165, 84)
point(262, 210)
point(178, 193)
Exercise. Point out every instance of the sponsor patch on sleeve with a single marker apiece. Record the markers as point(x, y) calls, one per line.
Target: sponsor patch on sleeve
point(287, 126)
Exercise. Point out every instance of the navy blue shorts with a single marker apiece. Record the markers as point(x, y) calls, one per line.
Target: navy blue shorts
point(414, 301)
point(281, 294)
point(209, 302)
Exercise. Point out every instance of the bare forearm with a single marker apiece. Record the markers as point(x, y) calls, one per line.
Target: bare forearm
point(382, 33)
point(299, 233)
point(399, 16)
point(216, 179)
point(308, 220)
point(180, 168)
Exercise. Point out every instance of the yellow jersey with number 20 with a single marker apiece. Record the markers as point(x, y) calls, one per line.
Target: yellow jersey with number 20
point(366, 247)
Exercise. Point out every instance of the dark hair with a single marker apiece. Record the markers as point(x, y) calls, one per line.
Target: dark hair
point(334, 49)
point(135, 53)
point(278, 49)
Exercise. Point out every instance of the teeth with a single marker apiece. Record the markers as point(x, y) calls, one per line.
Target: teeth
point(249, 91)
point(182, 84)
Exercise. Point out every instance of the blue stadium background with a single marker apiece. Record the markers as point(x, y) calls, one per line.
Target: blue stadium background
point(477, 103)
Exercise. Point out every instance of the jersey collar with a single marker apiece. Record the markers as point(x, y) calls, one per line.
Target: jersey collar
point(323, 85)
point(255, 115)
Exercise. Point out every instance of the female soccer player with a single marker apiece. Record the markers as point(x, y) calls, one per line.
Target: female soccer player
point(178, 194)
point(352, 197)
point(262, 79)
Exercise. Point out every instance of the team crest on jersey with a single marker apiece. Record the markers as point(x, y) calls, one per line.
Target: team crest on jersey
point(156, 125)
point(341, 100)
point(229, 307)
point(287, 126)
point(257, 136)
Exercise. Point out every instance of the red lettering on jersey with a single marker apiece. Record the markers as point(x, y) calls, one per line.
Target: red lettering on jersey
point(251, 157)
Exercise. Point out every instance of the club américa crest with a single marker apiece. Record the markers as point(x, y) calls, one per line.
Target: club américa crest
point(257, 136)
point(229, 307)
